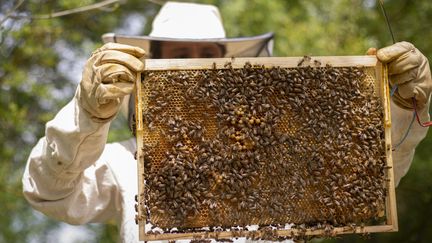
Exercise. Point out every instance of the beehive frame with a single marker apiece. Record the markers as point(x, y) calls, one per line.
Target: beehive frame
point(370, 62)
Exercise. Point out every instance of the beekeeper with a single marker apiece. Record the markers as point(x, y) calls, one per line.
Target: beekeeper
point(72, 175)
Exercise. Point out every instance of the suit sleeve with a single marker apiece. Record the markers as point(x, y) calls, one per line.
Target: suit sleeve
point(64, 177)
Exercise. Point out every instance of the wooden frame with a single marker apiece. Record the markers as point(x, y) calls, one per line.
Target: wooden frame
point(335, 61)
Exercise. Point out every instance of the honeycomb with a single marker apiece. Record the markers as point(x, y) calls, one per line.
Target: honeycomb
point(262, 145)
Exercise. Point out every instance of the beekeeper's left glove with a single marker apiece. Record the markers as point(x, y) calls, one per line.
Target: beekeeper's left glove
point(409, 69)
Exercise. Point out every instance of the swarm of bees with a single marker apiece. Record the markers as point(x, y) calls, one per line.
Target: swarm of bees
point(263, 146)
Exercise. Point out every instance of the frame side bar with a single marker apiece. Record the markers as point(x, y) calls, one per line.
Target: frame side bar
point(140, 158)
point(391, 209)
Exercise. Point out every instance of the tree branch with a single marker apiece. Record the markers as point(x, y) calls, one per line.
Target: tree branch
point(98, 5)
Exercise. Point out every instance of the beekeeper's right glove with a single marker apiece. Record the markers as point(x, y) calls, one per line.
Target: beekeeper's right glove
point(108, 76)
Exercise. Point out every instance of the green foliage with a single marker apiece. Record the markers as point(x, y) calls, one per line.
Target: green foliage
point(33, 86)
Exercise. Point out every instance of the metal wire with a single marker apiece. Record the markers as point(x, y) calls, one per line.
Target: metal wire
point(406, 133)
point(387, 20)
point(423, 124)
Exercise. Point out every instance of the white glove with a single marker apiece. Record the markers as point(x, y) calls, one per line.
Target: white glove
point(409, 69)
point(108, 76)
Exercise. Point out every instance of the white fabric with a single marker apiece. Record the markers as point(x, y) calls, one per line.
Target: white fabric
point(73, 176)
point(179, 20)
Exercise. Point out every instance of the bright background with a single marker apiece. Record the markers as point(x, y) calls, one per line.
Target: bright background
point(41, 62)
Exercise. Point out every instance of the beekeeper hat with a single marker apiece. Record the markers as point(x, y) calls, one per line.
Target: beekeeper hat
point(192, 22)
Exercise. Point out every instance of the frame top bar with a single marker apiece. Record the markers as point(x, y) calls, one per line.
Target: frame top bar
point(285, 62)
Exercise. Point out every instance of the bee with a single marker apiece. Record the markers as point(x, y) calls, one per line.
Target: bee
point(300, 63)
